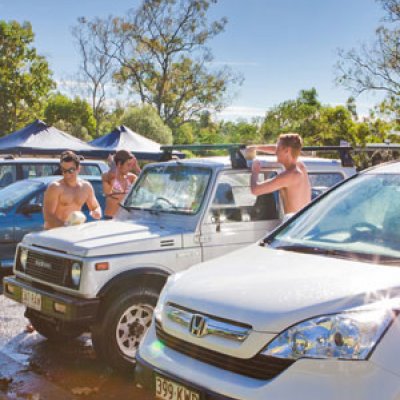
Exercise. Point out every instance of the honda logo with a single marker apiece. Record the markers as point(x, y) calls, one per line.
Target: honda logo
point(198, 325)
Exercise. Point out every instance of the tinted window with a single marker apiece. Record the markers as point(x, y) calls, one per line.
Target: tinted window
point(88, 169)
point(14, 193)
point(234, 202)
point(324, 179)
point(8, 174)
point(34, 170)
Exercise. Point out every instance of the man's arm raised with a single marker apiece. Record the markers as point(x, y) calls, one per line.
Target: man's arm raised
point(270, 185)
point(92, 203)
point(264, 148)
point(50, 204)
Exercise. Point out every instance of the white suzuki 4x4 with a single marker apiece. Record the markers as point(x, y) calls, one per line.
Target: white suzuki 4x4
point(105, 276)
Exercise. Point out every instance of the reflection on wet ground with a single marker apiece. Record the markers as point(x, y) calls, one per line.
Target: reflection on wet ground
point(33, 368)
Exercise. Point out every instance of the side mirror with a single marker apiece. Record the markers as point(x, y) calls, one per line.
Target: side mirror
point(31, 208)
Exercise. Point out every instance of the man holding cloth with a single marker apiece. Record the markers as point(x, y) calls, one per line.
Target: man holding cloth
point(66, 196)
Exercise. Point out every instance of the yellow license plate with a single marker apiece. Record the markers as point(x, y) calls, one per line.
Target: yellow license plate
point(170, 390)
point(31, 299)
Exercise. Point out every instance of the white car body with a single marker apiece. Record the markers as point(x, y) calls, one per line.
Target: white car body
point(214, 323)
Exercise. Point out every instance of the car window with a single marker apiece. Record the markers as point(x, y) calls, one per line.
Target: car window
point(37, 199)
point(8, 174)
point(361, 217)
point(234, 202)
point(89, 169)
point(38, 169)
point(14, 193)
point(324, 179)
point(170, 188)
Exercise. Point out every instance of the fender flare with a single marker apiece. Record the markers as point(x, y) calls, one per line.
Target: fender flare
point(123, 278)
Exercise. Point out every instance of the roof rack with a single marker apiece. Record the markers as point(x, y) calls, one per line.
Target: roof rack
point(237, 158)
point(344, 152)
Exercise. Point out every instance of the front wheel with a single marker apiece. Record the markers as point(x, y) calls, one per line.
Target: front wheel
point(117, 335)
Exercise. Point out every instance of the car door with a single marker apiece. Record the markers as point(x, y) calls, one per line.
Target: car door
point(235, 216)
point(29, 216)
point(7, 237)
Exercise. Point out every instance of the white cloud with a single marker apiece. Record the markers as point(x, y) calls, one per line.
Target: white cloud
point(235, 112)
point(235, 63)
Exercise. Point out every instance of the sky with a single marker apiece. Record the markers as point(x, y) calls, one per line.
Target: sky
point(279, 46)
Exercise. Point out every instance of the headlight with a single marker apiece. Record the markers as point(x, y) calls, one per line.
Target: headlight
point(23, 258)
point(347, 336)
point(76, 274)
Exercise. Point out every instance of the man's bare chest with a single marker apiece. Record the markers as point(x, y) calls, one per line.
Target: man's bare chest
point(73, 196)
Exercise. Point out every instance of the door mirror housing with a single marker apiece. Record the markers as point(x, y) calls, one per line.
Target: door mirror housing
point(31, 208)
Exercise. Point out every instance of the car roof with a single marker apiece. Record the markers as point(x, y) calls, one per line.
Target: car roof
point(35, 160)
point(266, 161)
point(391, 167)
point(50, 178)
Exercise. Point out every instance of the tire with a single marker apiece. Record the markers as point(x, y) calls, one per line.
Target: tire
point(55, 332)
point(126, 318)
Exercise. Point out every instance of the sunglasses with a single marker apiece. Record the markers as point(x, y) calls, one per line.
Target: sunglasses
point(68, 171)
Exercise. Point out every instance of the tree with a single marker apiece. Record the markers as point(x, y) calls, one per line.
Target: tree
point(375, 67)
point(145, 121)
point(25, 77)
point(97, 61)
point(160, 48)
point(73, 116)
point(297, 115)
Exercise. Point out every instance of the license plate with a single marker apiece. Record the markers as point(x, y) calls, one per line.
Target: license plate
point(31, 299)
point(170, 390)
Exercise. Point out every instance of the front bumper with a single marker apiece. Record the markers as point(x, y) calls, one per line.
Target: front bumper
point(76, 309)
point(305, 379)
point(144, 376)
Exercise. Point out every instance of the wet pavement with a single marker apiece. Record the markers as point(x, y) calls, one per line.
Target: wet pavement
point(32, 368)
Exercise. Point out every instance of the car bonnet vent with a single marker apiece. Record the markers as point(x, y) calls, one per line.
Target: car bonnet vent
point(167, 243)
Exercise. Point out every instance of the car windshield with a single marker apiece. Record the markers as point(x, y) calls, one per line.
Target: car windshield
point(358, 220)
point(170, 188)
point(14, 193)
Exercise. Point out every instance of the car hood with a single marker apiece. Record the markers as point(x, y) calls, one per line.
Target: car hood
point(102, 238)
point(273, 289)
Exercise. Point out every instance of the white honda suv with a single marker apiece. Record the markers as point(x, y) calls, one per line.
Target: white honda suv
point(310, 312)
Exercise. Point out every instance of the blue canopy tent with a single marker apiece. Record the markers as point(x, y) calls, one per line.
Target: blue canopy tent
point(124, 138)
point(38, 138)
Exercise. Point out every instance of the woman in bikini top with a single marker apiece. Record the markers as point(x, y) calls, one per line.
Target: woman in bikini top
point(118, 181)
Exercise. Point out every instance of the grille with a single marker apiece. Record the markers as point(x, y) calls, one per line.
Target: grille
point(48, 268)
point(258, 367)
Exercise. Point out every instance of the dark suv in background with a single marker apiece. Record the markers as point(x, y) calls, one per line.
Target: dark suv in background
point(16, 168)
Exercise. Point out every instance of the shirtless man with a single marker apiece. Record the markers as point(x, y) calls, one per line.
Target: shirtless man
point(68, 194)
point(118, 180)
point(293, 182)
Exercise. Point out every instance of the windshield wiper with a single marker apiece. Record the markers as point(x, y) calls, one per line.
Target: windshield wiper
point(129, 209)
point(311, 250)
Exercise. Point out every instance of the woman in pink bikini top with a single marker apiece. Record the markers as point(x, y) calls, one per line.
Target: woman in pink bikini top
point(118, 181)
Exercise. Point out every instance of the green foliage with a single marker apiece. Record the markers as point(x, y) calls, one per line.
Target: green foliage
point(25, 77)
point(146, 121)
point(375, 67)
point(240, 132)
point(73, 116)
point(160, 49)
point(297, 115)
